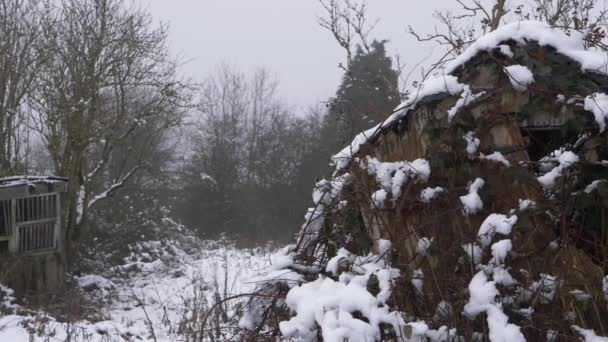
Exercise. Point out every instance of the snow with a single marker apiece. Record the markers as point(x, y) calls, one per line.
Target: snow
point(429, 194)
point(500, 329)
point(13, 181)
point(496, 157)
point(526, 204)
point(593, 186)
point(324, 194)
point(474, 252)
point(8, 298)
point(96, 282)
point(472, 143)
point(500, 250)
point(482, 294)
point(392, 176)
point(471, 202)
point(597, 103)
point(443, 334)
point(279, 271)
point(520, 76)
point(565, 159)
point(339, 306)
point(384, 247)
point(326, 306)
point(434, 85)
point(495, 223)
point(506, 50)
point(281, 260)
point(545, 288)
point(482, 291)
point(329, 304)
point(571, 45)
point(589, 335)
point(80, 203)
point(159, 295)
point(378, 198)
point(417, 331)
point(342, 258)
point(418, 281)
point(423, 245)
point(466, 98)
point(501, 276)
point(205, 177)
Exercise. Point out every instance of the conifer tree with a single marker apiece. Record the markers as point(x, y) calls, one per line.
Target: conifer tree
point(368, 94)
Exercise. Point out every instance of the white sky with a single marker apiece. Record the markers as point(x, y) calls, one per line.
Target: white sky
point(283, 35)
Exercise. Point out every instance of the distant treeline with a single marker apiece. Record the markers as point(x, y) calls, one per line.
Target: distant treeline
point(254, 160)
point(90, 91)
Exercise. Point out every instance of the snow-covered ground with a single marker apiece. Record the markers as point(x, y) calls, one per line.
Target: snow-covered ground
point(160, 293)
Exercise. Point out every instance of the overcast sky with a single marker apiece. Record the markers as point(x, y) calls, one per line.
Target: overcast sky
point(283, 35)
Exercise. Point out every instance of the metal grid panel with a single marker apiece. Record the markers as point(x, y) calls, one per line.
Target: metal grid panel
point(37, 236)
point(36, 208)
point(37, 221)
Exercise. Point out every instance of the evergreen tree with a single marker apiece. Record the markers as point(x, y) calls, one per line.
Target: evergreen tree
point(369, 92)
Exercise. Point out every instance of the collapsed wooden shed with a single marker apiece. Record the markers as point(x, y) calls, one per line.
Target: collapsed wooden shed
point(518, 124)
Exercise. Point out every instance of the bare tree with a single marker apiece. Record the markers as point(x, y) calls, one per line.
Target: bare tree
point(347, 21)
point(107, 82)
point(19, 63)
point(248, 148)
point(583, 16)
point(457, 29)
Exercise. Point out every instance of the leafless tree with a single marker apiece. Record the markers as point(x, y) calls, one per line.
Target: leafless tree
point(457, 29)
point(248, 148)
point(106, 83)
point(347, 21)
point(19, 64)
point(584, 16)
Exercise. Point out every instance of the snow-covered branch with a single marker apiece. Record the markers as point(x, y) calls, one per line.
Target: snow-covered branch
point(114, 187)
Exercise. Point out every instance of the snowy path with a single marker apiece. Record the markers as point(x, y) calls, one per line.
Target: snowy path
point(151, 301)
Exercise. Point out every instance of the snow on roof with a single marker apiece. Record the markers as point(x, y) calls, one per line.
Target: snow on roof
point(14, 181)
point(432, 86)
point(525, 31)
point(521, 32)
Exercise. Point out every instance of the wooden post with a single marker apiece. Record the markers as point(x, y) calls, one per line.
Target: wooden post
point(58, 239)
point(13, 244)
